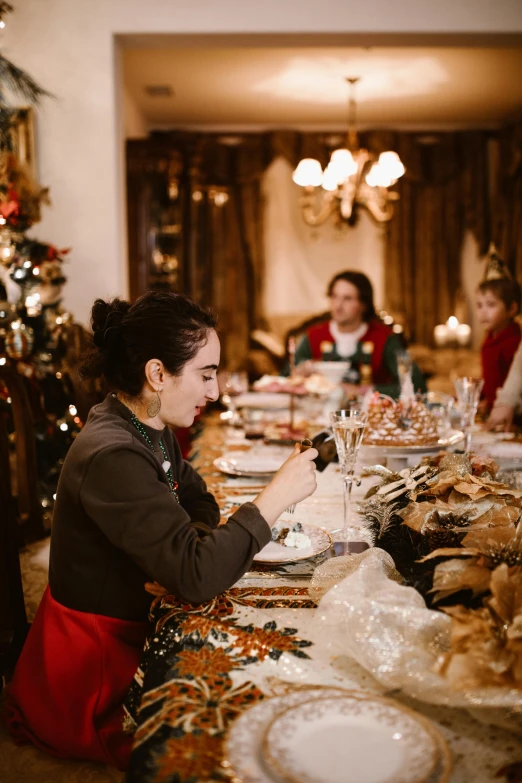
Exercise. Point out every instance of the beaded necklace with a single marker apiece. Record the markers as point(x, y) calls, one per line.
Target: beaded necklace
point(173, 485)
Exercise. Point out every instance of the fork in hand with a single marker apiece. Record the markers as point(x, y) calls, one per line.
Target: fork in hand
point(305, 444)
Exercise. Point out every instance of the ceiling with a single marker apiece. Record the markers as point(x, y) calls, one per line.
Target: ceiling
point(303, 87)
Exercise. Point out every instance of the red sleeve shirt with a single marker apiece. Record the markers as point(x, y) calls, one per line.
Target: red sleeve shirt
point(497, 354)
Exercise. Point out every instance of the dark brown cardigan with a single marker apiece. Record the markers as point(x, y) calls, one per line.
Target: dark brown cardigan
point(116, 525)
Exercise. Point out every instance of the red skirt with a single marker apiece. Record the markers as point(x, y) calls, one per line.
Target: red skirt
point(70, 681)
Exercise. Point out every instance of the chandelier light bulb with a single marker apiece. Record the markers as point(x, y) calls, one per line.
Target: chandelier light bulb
point(392, 165)
point(308, 173)
point(330, 179)
point(343, 163)
point(378, 177)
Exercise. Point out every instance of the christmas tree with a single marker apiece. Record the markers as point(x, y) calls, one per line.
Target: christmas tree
point(35, 331)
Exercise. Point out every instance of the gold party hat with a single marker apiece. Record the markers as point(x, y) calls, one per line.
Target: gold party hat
point(495, 266)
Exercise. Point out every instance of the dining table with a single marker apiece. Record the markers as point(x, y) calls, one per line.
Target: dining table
point(195, 702)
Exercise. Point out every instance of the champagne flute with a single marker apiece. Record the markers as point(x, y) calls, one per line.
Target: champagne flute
point(231, 385)
point(468, 396)
point(348, 428)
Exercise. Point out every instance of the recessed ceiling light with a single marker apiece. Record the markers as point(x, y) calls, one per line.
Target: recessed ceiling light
point(159, 90)
point(230, 141)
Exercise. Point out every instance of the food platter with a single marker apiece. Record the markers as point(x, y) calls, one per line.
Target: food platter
point(452, 440)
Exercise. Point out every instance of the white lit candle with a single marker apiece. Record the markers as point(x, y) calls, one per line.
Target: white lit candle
point(463, 334)
point(440, 334)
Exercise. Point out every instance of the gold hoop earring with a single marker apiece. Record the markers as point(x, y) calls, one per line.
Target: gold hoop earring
point(154, 406)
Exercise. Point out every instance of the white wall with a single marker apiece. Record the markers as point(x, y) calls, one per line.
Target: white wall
point(472, 270)
point(300, 260)
point(68, 45)
point(134, 123)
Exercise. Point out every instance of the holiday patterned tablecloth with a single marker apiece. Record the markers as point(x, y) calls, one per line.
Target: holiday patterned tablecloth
point(206, 664)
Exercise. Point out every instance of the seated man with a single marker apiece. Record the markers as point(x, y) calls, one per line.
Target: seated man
point(354, 333)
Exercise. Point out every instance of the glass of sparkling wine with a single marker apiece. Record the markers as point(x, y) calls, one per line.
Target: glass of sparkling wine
point(348, 428)
point(231, 385)
point(468, 397)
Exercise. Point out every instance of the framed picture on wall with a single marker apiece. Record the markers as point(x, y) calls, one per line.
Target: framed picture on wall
point(22, 136)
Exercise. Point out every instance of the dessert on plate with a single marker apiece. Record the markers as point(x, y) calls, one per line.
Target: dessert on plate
point(291, 536)
point(393, 423)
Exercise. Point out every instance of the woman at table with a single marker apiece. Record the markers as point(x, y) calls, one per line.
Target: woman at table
point(355, 334)
point(130, 511)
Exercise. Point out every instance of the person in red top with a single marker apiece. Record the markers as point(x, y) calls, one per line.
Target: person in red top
point(354, 333)
point(498, 302)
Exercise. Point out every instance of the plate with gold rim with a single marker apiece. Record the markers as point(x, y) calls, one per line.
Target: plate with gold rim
point(273, 553)
point(243, 745)
point(332, 739)
point(451, 440)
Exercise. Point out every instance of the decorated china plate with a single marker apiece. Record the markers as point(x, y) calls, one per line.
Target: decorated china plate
point(244, 753)
point(320, 541)
point(332, 739)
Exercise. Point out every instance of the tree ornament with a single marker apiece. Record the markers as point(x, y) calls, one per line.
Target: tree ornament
point(19, 340)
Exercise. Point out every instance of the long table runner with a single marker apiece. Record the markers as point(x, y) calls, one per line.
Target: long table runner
point(204, 665)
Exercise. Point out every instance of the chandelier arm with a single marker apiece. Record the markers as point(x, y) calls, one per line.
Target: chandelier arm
point(307, 204)
point(376, 201)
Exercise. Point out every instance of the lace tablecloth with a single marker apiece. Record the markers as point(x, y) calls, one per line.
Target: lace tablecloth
point(206, 664)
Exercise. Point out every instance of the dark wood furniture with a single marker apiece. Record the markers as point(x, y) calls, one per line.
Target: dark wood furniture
point(13, 619)
point(30, 516)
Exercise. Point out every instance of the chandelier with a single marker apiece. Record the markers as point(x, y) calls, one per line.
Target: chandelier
point(354, 177)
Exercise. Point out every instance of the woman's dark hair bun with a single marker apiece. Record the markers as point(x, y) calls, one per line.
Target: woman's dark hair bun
point(158, 325)
point(106, 320)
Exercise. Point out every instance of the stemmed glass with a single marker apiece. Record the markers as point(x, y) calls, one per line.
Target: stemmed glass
point(468, 396)
point(404, 366)
point(348, 428)
point(231, 385)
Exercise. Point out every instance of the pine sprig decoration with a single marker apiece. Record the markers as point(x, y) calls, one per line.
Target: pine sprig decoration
point(19, 82)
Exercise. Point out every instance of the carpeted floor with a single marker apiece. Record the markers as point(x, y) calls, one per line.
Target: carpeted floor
point(27, 764)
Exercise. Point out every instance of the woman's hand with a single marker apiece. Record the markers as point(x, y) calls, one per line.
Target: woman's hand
point(501, 418)
point(294, 481)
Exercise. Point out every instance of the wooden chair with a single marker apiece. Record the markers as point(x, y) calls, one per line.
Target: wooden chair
point(30, 517)
point(86, 393)
point(13, 618)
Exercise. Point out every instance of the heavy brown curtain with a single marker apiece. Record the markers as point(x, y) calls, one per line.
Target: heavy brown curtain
point(445, 191)
point(507, 231)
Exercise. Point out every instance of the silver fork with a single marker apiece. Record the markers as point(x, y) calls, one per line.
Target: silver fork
point(305, 444)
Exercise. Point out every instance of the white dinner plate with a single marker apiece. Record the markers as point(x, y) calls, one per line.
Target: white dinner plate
point(258, 462)
point(320, 541)
point(263, 400)
point(333, 739)
point(243, 745)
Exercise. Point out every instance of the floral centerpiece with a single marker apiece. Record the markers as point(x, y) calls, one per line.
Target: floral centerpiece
point(435, 609)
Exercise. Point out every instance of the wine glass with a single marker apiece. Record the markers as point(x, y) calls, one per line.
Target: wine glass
point(404, 366)
point(468, 396)
point(348, 428)
point(231, 385)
